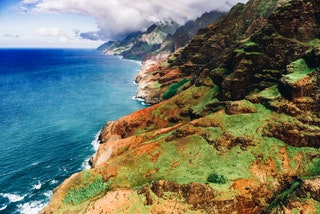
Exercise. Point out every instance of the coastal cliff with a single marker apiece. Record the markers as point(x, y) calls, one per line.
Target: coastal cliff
point(235, 125)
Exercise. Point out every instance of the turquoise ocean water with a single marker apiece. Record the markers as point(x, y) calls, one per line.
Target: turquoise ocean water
point(53, 102)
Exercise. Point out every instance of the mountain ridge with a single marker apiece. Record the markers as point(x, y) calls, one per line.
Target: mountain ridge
point(164, 36)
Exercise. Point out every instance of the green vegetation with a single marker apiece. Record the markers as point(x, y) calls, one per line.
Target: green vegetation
point(315, 42)
point(87, 190)
point(313, 167)
point(165, 63)
point(297, 70)
point(247, 53)
point(265, 8)
point(317, 206)
point(270, 93)
point(249, 44)
point(206, 99)
point(155, 85)
point(185, 160)
point(172, 90)
point(217, 179)
point(172, 58)
point(281, 199)
point(246, 124)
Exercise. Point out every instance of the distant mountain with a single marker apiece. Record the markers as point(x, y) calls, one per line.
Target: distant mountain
point(150, 40)
point(185, 33)
point(138, 44)
point(159, 37)
point(117, 47)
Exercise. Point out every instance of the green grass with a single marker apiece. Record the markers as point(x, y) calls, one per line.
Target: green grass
point(243, 124)
point(297, 70)
point(186, 160)
point(317, 206)
point(270, 93)
point(173, 89)
point(315, 42)
point(207, 98)
point(313, 167)
point(249, 43)
point(165, 63)
point(155, 85)
point(88, 189)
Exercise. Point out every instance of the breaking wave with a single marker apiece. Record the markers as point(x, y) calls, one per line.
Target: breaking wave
point(12, 197)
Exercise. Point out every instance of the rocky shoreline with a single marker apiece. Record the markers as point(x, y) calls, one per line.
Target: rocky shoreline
point(145, 82)
point(147, 88)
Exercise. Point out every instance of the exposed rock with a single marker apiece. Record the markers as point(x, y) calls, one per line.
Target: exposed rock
point(312, 186)
point(240, 107)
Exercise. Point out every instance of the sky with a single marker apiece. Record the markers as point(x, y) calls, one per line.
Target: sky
point(89, 23)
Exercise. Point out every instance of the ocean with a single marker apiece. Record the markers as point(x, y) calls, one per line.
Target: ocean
point(53, 102)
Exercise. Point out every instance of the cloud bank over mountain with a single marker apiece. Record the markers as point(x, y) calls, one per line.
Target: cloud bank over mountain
point(117, 18)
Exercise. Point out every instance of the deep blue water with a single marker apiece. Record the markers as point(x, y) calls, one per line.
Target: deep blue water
point(53, 102)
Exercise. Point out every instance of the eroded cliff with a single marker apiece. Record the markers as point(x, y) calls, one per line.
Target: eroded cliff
point(237, 129)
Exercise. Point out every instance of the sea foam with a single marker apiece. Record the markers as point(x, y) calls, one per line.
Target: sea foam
point(53, 181)
point(95, 143)
point(37, 186)
point(3, 208)
point(32, 207)
point(12, 197)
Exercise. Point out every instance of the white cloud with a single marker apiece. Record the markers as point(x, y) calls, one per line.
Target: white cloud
point(116, 18)
point(53, 35)
point(51, 32)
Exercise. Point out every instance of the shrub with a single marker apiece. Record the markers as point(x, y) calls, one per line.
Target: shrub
point(217, 179)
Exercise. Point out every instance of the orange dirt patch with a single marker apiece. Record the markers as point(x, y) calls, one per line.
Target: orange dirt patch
point(244, 187)
point(111, 202)
point(147, 149)
point(304, 81)
point(172, 74)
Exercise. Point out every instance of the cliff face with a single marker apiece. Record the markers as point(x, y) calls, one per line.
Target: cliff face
point(238, 128)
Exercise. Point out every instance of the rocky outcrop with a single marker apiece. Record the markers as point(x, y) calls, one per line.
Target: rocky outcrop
point(237, 130)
